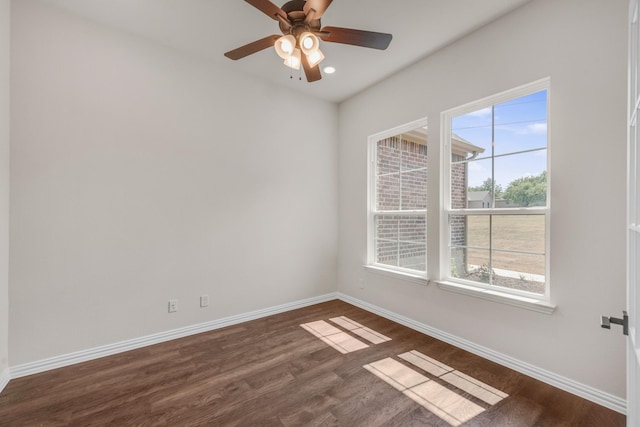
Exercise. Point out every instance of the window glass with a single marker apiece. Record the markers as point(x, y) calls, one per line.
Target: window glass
point(399, 209)
point(498, 162)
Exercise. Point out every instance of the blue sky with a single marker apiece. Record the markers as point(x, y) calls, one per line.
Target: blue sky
point(520, 124)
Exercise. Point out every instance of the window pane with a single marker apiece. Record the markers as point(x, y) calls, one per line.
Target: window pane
point(523, 179)
point(414, 153)
point(470, 264)
point(388, 174)
point(412, 248)
point(387, 252)
point(516, 125)
point(478, 231)
point(458, 186)
point(388, 192)
point(458, 230)
point(401, 172)
point(469, 245)
point(523, 233)
point(521, 124)
point(386, 239)
point(413, 170)
point(501, 250)
point(524, 272)
point(471, 184)
point(388, 153)
point(412, 243)
point(401, 241)
point(499, 161)
point(472, 132)
point(414, 189)
point(520, 137)
point(412, 229)
point(518, 270)
point(478, 173)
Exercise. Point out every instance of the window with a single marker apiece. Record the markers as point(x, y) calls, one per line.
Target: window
point(398, 199)
point(496, 188)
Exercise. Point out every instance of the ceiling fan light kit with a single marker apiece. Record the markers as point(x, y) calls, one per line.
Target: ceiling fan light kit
point(309, 43)
point(294, 59)
point(299, 22)
point(315, 58)
point(285, 45)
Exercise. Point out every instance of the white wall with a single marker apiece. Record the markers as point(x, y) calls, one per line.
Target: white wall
point(581, 45)
point(4, 184)
point(140, 175)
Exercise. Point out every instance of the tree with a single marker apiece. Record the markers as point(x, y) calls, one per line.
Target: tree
point(527, 190)
point(488, 185)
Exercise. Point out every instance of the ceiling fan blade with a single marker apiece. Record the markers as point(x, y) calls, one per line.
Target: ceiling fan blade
point(318, 5)
point(268, 8)
point(356, 37)
point(253, 47)
point(313, 73)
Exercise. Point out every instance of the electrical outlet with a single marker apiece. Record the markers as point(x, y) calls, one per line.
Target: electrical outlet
point(361, 283)
point(204, 300)
point(173, 305)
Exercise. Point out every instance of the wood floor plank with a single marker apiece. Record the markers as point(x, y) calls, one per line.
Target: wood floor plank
point(272, 372)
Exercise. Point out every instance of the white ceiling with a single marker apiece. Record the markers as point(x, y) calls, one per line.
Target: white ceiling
point(208, 28)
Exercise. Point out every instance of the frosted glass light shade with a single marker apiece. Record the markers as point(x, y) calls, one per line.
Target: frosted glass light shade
point(285, 46)
point(309, 43)
point(315, 58)
point(294, 60)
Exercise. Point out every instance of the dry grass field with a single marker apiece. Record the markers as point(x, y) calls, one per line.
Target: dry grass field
point(510, 232)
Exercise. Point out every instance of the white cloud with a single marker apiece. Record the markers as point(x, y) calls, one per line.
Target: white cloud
point(534, 128)
point(476, 167)
point(477, 174)
point(481, 113)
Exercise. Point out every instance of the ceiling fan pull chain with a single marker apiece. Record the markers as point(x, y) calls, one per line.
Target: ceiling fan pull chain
point(290, 69)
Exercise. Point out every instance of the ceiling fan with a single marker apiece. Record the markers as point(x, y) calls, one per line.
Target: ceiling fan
point(299, 22)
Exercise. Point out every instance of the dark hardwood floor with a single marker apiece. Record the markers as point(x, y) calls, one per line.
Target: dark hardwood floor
point(271, 371)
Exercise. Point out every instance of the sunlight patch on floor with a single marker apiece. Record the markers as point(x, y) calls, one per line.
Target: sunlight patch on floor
point(360, 330)
point(449, 404)
point(341, 341)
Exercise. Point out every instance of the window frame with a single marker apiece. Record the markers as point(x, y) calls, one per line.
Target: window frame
point(372, 211)
point(538, 302)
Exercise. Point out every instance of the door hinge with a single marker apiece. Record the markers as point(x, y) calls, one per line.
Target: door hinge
point(605, 322)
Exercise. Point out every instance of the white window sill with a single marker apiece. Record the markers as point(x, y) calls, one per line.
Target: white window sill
point(402, 275)
point(528, 303)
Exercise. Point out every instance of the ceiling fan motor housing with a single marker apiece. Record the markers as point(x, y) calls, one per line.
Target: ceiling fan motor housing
point(295, 12)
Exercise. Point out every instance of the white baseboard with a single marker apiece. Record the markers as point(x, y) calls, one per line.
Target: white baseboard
point(132, 344)
point(597, 396)
point(4, 378)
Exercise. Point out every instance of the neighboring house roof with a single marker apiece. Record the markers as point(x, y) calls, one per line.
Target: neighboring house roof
point(478, 196)
point(462, 147)
point(459, 145)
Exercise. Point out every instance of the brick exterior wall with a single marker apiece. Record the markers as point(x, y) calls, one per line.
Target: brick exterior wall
point(458, 223)
point(401, 185)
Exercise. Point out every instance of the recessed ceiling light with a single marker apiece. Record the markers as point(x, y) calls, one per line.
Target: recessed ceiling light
point(329, 70)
